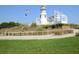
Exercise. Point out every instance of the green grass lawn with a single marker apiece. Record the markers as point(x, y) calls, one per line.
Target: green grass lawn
point(57, 46)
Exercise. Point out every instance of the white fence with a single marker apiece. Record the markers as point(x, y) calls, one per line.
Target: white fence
point(35, 37)
point(32, 35)
point(25, 33)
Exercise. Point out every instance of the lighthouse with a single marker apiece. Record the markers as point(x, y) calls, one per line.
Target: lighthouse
point(43, 15)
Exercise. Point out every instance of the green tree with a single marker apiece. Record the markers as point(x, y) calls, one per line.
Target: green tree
point(33, 25)
point(8, 24)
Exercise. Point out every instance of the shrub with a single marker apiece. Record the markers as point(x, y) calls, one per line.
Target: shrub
point(58, 33)
point(40, 29)
point(77, 34)
point(33, 25)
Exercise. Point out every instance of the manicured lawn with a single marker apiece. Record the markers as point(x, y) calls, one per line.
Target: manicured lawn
point(58, 46)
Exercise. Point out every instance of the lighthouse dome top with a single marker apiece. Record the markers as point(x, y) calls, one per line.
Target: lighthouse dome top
point(43, 7)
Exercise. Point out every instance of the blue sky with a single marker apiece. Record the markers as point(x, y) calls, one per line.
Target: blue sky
point(16, 13)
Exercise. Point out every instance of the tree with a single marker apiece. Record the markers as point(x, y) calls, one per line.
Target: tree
point(33, 25)
point(8, 24)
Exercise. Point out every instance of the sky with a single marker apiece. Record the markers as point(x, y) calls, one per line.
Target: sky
point(16, 13)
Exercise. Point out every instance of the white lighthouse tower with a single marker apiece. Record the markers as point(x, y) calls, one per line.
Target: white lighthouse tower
point(43, 15)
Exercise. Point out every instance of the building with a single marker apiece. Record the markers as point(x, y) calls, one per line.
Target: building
point(42, 20)
point(60, 18)
point(57, 18)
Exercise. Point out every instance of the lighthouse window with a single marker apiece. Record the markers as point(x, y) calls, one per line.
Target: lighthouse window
point(44, 15)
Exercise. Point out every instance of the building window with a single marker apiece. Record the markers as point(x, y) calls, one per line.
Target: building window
point(40, 16)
